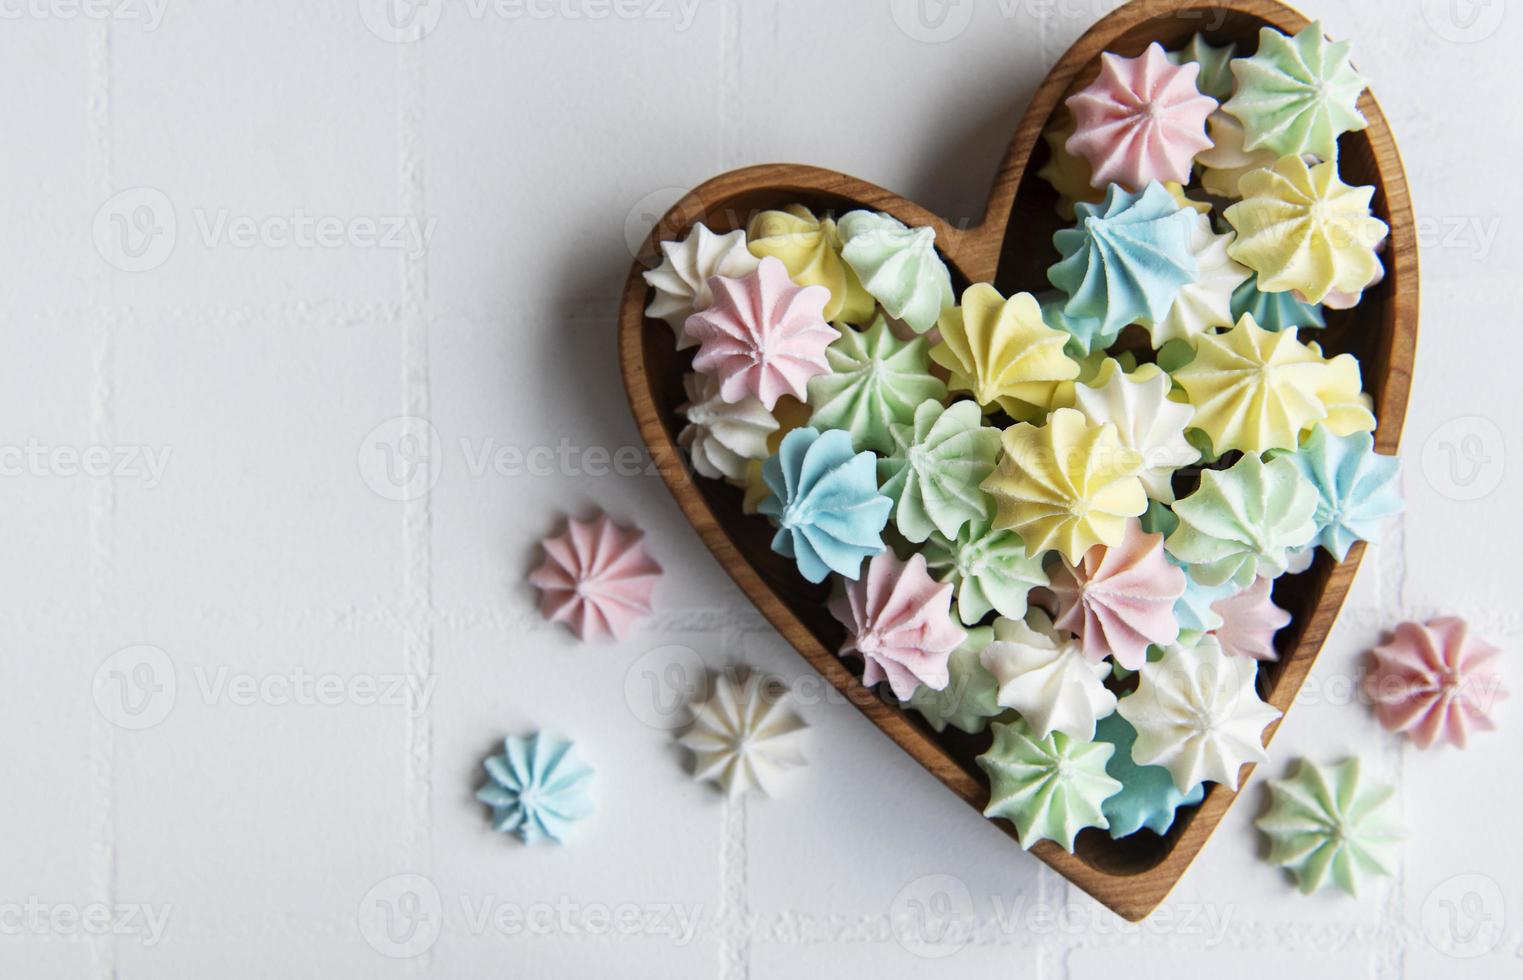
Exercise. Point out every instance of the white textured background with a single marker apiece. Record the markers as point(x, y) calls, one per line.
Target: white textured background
point(157, 625)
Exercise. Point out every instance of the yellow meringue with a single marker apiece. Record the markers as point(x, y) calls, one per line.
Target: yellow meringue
point(1002, 352)
point(810, 248)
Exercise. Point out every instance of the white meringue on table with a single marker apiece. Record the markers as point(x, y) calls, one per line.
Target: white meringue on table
point(743, 737)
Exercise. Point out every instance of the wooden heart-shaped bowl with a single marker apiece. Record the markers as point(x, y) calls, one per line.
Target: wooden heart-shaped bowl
point(1012, 248)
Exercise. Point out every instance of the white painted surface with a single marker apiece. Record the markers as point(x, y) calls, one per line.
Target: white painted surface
point(270, 548)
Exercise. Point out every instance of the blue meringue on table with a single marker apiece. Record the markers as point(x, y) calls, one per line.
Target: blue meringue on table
point(537, 788)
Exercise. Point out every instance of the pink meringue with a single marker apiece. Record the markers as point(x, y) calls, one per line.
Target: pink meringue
point(763, 336)
point(1120, 600)
point(899, 621)
point(596, 578)
point(1250, 619)
point(1435, 681)
point(1142, 120)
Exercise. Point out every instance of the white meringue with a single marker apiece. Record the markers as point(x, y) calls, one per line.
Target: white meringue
point(681, 281)
point(1147, 420)
point(722, 437)
point(1206, 302)
point(742, 737)
point(1046, 677)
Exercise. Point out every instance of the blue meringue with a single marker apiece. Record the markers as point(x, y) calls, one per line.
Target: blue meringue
point(1356, 487)
point(1148, 796)
point(825, 498)
point(1274, 311)
point(1088, 333)
point(537, 788)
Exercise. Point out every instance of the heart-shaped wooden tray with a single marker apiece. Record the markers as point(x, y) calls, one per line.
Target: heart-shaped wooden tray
point(1012, 248)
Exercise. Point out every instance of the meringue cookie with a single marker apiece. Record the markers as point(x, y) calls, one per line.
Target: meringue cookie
point(681, 281)
point(1198, 715)
point(1066, 485)
point(967, 702)
point(1244, 522)
point(1435, 682)
point(1119, 600)
point(596, 578)
point(826, 501)
point(790, 414)
point(1195, 609)
point(1147, 421)
point(1356, 487)
point(1207, 301)
point(1297, 94)
point(1184, 200)
point(1215, 78)
point(537, 788)
point(1274, 311)
point(1349, 409)
point(934, 472)
point(1001, 351)
point(1050, 788)
point(1148, 797)
point(1226, 163)
point(898, 620)
point(1069, 175)
point(722, 437)
point(743, 737)
point(1087, 335)
point(1249, 621)
point(876, 380)
point(1347, 301)
point(990, 570)
point(1331, 823)
point(810, 248)
point(763, 335)
point(1302, 228)
point(898, 266)
point(1142, 120)
point(1047, 678)
point(1126, 259)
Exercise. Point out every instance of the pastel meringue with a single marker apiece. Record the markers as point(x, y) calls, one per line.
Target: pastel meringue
point(1142, 120)
point(899, 621)
point(596, 578)
point(1071, 176)
point(1087, 335)
point(1274, 311)
point(810, 248)
point(1001, 352)
point(1331, 824)
point(936, 467)
point(1148, 798)
point(1435, 682)
point(1198, 715)
point(1147, 420)
point(1206, 302)
point(1349, 409)
point(1227, 162)
point(967, 702)
point(1045, 675)
point(1195, 609)
point(722, 438)
point(898, 266)
point(1303, 228)
point(681, 282)
point(825, 498)
point(1215, 78)
point(1249, 622)
point(1244, 522)
point(1067, 485)
point(537, 788)
point(743, 736)
point(790, 414)
point(1126, 259)
point(1050, 788)
point(1297, 94)
point(1119, 600)
point(762, 336)
point(1356, 487)
point(876, 380)
point(989, 569)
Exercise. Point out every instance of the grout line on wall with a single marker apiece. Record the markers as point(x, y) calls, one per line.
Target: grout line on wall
point(735, 925)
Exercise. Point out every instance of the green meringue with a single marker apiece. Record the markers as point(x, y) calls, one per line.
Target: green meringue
point(967, 702)
point(898, 266)
point(1215, 79)
point(1298, 94)
point(1327, 823)
point(989, 569)
point(1050, 788)
point(1244, 522)
point(876, 380)
point(935, 469)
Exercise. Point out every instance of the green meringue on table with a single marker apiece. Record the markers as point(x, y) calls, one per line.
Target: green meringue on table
point(1244, 522)
point(1050, 788)
point(989, 569)
point(934, 471)
point(876, 380)
point(968, 701)
point(898, 266)
point(1328, 823)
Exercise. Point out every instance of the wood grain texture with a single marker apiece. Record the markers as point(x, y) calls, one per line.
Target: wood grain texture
point(1011, 247)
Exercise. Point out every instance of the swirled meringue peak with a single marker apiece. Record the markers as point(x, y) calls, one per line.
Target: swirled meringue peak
point(1002, 352)
point(1356, 487)
point(810, 249)
point(933, 474)
point(1274, 311)
point(763, 336)
point(1244, 522)
point(990, 570)
point(1050, 788)
point(722, 437)
point(1119, 600)
point(743, 738)
point(538, 788)
point(1249, 621)
point(1435, 682)
point(967, 702)
point(1147, 420)
point(1045, 676)
point(681, 281)
point(898, 266)
point(1226, 163)
point(1303, 228)
point(875, 381)
point(1215, 78)
point(1198, 715)
point(1067, 485)
point(1331, 823)
point(899, 621)
point(1142, 120)
point(596, 578)
point(1148, 797)
point(825, 498)
point(1297, 94)
point(1126, 259)
point(1205, 302)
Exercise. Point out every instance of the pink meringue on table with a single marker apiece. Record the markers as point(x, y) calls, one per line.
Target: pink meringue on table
point(1250, 619)
point(1120, 600)
point(899, 621)
point(596, 578)
point(1142, 120)
point(1434, 681)
point(763, 336)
